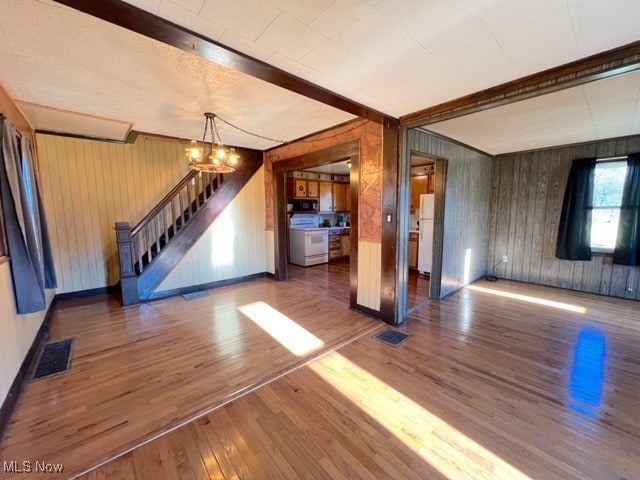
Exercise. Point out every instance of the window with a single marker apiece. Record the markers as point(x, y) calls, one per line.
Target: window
point(607, 197)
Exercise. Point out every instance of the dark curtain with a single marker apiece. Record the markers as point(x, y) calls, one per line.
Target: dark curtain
point(574, 232)
point(627, 251)
point(24, 220)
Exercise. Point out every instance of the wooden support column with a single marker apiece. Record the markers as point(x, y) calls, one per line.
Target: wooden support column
point(390, 156)
point(126, 254)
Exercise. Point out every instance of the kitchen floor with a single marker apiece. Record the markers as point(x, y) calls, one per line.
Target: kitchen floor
point(327, 279)
point(332, 280)
point(418, 291)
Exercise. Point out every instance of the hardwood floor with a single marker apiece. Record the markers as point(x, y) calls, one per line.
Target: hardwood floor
point(141, 371)
point(417, 288)
point(328, 279)
point(500, 380)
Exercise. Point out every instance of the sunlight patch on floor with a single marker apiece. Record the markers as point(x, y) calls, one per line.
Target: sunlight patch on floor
point(285, 331)
point(527, 298)
point(444, 447)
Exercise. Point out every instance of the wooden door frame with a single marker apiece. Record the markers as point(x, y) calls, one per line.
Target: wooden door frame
point(349, 150)
point(404, 211)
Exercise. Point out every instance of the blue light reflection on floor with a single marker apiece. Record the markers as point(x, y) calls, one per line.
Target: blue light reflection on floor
point(588, 373)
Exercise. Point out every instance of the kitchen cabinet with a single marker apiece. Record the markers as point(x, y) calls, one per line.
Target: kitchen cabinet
point(325, 194)
point(333, 197)
point(413, 250)
point(419, 186)
point(302, 188)
point(312, 189)
point(335, 244)
point(345, 240)
point(339, 197)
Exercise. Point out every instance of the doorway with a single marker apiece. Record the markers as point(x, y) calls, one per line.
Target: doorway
point(420, 239)
point(415, 290)
point(339, 275)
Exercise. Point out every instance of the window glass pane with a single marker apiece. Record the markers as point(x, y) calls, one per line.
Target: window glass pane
point(608, 184)
point(604, 228)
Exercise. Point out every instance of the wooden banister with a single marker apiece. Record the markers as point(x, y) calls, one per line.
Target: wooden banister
point(149, 250)
point(164, 202)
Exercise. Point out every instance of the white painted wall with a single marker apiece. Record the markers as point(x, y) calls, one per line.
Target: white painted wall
point(233, 246)
point(17, 332)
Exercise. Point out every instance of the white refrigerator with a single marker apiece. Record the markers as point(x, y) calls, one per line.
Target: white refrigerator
point(425, 243)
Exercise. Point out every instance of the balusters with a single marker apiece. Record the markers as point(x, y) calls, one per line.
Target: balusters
point(174, 218)
point(189, 199)
point(182, 209)
point(139, 251)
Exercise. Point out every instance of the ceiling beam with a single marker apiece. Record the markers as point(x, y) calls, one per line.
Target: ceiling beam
point(596, 67)
point(140, 21)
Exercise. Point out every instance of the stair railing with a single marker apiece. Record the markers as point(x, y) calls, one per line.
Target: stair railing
point(140, 245)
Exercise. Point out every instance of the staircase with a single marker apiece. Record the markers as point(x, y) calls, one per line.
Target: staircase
point(150, 250)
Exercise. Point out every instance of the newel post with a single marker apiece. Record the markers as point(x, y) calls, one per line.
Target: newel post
point(128, 277)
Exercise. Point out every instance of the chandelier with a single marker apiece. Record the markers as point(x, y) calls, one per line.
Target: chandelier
point(212, 157)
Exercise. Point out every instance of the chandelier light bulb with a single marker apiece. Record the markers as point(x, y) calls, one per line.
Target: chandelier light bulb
point(194, 152)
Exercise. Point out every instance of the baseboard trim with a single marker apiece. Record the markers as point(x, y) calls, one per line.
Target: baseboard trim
point(92, 292)
point(370, 312)
point(9, 403)
point(205, 286)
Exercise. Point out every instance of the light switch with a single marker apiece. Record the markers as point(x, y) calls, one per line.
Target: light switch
point(388, 218)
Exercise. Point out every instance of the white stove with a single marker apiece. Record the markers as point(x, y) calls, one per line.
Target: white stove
point(308, 243)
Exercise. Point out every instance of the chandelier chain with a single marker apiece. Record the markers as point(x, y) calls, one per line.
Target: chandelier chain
point(276, 140)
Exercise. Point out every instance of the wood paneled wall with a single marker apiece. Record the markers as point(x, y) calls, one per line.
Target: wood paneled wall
point(369, 274)
point(466, 209)
point(88, 186)
point(526, 198)
point(233, 246)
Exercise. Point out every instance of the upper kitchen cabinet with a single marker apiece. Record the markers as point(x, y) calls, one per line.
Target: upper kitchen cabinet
point(333, 197)
point(312, 189)
point(302, 188)
point(419, 186)
point(340, 197)
point(326, 196)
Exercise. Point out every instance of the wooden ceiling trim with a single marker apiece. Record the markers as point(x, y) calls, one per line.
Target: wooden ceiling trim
point(596, 67)
point(142, 22)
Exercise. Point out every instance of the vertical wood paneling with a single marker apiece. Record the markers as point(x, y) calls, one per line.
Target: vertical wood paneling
point(269, 253)
point(534, 243)
point(87, 187)
point(369, 274)
point(467, 201)
point(233, 246)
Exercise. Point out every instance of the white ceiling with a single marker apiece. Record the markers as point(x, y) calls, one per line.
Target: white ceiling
point(57, 57)
point(338, 168)
point(400, 56)
point(396, 56)
point(594, 111)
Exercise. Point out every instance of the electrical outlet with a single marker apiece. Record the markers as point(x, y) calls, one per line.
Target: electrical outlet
point(505, 259)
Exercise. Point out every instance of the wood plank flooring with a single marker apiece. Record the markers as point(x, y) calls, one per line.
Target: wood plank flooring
point(332, 279)
point(484, 388)
point(140, 371)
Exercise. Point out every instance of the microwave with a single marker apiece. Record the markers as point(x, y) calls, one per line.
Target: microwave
point(299, 205)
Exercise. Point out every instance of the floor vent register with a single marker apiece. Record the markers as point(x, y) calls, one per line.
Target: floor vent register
point(54, 359)
point(392, 337)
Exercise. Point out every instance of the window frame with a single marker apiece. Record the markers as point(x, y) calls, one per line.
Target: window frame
point(619, 159)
